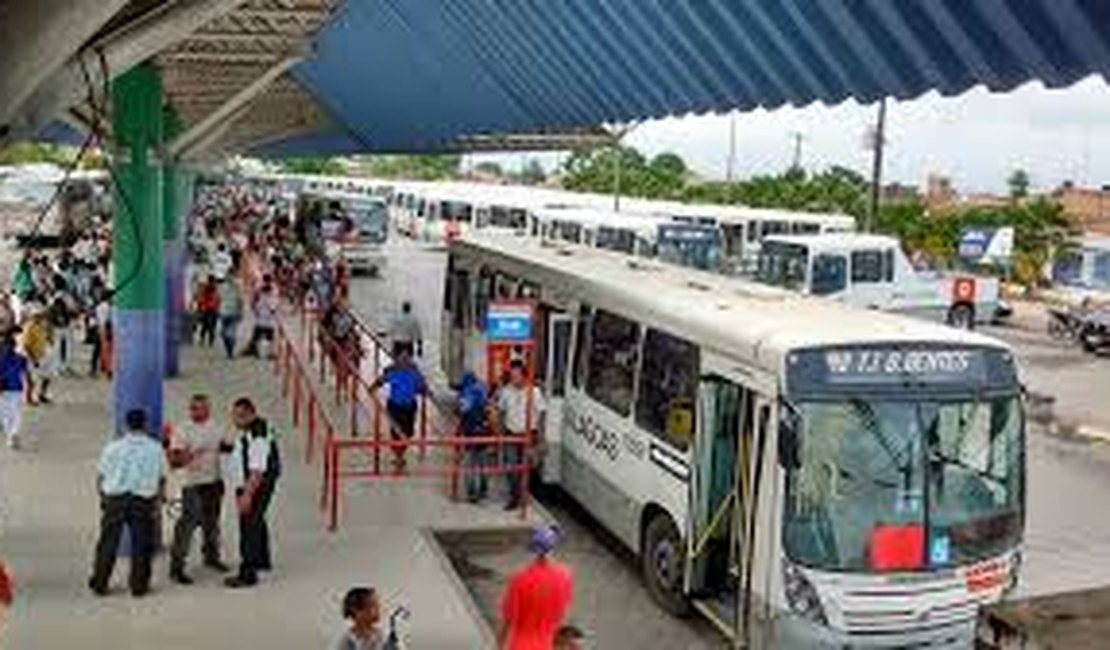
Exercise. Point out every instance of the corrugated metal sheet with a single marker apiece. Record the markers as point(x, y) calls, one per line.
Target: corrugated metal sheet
point(413, 74)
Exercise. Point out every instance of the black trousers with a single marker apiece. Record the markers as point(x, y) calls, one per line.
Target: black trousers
point(137, 513)
point(208, 321)
point(254, 534)
point(200, 507)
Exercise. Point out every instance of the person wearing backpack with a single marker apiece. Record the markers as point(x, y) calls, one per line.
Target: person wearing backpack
point(253, 465)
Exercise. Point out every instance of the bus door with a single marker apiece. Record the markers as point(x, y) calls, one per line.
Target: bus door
point(559, 329)
point(718, 548)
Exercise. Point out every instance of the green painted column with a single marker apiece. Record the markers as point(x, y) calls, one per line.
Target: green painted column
point(173, 250)
point(138, 318)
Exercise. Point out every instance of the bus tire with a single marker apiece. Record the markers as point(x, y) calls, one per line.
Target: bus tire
point(962, 316)
point(662, 563)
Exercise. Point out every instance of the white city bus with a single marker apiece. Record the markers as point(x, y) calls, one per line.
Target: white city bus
point(803, 474)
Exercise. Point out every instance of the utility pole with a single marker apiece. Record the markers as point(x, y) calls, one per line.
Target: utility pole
point(797, 137)
point(617, 133)
point(878, 140)
point(731, 164)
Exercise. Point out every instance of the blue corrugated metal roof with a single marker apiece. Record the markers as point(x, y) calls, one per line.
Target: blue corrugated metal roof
point(413, 74)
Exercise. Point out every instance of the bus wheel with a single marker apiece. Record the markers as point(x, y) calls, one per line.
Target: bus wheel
point(962, 316)
point(662, 565)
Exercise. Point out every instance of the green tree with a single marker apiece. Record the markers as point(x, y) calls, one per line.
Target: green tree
point(489, 168)
point(595, 170)
point(1018, 183)
point(532, 174)
point(426, 167)
point(312, 165)
point(23, 153)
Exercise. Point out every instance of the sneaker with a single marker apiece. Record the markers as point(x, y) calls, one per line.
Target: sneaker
point(180, 578)
point(217, 565)
point(240, 582)
point(97, 589)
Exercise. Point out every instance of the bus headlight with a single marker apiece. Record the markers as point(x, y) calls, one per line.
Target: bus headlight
point(801, 596)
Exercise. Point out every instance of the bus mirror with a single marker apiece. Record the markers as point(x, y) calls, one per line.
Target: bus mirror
point(789, 446)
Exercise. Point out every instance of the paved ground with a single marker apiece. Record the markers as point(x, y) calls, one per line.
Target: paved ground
point(1079, 381)
point(49, 526)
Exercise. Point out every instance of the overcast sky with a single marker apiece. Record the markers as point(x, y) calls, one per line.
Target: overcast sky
point(977, 138)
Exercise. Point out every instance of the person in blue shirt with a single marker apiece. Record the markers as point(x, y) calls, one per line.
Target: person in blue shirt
point(13, 378)
point(473, 406)
point(130, 483)
point(406, 385)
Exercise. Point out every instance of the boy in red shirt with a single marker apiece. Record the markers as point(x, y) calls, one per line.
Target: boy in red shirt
point(537, 598)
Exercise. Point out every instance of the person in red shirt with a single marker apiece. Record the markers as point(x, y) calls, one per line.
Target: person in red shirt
point(537, 597)
point(6, 593)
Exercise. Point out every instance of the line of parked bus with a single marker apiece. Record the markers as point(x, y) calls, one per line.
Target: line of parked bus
point(800, 473)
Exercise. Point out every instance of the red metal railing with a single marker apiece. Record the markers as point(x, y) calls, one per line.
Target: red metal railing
point(294, 361)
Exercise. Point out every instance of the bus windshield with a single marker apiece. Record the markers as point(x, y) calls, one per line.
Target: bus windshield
point(783, 265)
point(371, 219)
point(886, 484)
point(695, 246)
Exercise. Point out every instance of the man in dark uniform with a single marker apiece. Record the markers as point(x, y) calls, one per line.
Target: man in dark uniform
point(130, 481)
point(254, 467)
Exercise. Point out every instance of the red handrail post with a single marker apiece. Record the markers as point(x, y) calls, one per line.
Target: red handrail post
point(526, 473)
point(297, 399)
point(312, 408)
point(423, 427)
point(459, 452)
point(333, 520)
point(377, 436)
point(325, 486)
point(354, 409)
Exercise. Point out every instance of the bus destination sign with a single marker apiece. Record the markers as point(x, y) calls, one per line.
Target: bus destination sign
point(897, 366)
point(509, 322)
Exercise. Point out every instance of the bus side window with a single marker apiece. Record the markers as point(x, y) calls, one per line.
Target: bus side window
point(582, 345)
point(482, 295)
point(888, 266)
point(830, 274)
point(867, 267)
point(666, 400)
point(614, 353)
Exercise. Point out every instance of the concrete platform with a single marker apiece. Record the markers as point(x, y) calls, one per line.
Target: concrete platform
point(48, 526)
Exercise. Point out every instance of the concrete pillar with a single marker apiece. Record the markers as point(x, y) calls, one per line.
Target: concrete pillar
point(173, 209)
point(139, 303)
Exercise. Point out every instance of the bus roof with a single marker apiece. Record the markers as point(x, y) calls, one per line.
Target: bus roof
point(837, 241)
point(754, 322)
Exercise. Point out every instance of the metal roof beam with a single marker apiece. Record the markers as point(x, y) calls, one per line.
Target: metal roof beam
point(233, 104)
point(121, 51)
point(244, 37)
point(223, 57)
point(37, 37)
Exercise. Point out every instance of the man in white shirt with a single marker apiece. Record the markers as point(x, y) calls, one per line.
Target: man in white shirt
point(130, 481)
point(253, 467)
point(221, 262)
point(404, 330)
point(195, 449)
point(513, 402)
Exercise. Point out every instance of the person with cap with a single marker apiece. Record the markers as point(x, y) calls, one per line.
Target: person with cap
point(253, 467)
point(537, 597)
point(473, 404)
point(130, 483)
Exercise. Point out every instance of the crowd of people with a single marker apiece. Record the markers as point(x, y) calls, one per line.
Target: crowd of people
point(56, 299)
point(245, 259)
